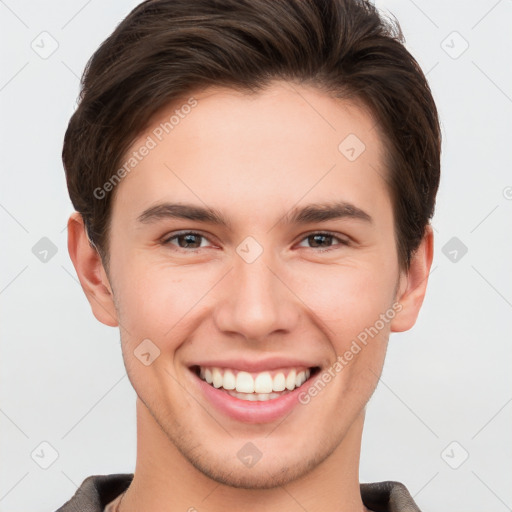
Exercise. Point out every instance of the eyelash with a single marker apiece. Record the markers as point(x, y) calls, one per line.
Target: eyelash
point(342, 242)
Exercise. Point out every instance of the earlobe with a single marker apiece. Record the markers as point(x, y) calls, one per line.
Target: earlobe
point(90, 272)
point(414, 284)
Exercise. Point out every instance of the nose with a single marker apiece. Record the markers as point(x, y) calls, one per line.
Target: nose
point(256, 302)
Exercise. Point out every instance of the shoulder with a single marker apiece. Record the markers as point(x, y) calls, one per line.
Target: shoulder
point(96, 491)
point(387, 496)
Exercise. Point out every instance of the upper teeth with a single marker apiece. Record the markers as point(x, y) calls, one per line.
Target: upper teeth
point(263, 382)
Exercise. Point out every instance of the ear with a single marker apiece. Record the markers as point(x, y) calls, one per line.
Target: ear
point(413, 284)
point(90, 271)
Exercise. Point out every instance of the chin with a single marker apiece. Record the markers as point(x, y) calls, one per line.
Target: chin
point(267, 473)
point(264, 477)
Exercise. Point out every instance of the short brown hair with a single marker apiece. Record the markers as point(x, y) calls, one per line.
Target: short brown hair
point(166, 48)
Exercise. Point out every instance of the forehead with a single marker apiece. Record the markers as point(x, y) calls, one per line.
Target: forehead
point(227, 147)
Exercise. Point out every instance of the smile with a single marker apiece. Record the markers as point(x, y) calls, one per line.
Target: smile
point(252, 391)
point(253, 387)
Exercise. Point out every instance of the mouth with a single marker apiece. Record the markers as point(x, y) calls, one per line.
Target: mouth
point(255, 386)
point(252, 396)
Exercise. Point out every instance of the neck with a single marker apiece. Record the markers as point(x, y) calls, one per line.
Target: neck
point(164, 480)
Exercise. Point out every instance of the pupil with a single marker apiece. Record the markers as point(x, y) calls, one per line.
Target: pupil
point(319, 238)
point(189, 240)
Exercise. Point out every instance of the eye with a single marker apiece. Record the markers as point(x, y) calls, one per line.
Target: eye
point(323, 241)
point(186, 240)
point(194, 241)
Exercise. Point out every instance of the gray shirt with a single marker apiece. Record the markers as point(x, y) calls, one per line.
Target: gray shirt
point(97, 491)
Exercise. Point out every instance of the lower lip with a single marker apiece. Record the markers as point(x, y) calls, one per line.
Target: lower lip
point(251, 412)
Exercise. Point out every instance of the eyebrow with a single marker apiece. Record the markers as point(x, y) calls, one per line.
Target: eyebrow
point(316, 212)
point(321, 212)
point(182, 211)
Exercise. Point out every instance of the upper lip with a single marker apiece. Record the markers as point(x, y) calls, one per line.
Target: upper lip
point(262, 365)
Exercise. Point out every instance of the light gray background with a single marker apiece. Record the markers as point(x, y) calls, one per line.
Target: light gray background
point(448, 380)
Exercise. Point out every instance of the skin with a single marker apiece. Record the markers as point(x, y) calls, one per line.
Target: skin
point(254, 158)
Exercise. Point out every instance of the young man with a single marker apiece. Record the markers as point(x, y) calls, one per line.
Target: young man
point(253, 181)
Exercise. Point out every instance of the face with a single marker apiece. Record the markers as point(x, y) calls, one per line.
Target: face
point(253, 247)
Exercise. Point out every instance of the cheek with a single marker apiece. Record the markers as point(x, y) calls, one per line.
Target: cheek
point(346, 298)
point(159, 300)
